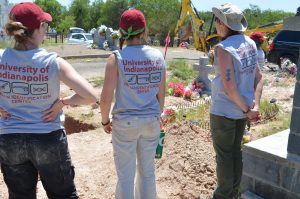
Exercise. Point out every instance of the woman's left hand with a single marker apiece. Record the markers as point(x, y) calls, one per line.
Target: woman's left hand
point(51, 113)
point(4, 114)
point(108, 128)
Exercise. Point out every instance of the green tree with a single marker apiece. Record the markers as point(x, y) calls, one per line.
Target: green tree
point(80, 9)
point(254, 16)
point(161, 16)
point(134, 3)
point(111, 12)
point(206, 16)
point(257, 17)
point(66, 22)
point(95, 13)
point(54, 8)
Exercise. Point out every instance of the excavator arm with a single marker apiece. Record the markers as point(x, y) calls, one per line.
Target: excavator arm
point(196, 22)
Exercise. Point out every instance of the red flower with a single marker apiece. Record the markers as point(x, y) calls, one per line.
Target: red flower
point(177, 87)
point(178, 92)
point(171, 84)
point(188, 94)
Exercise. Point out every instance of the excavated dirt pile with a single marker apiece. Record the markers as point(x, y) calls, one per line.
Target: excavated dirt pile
point(188, 163)
point(75, 126)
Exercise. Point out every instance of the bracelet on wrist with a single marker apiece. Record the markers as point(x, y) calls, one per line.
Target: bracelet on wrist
point(245, 112)
point(63, 102)
point(104, 124)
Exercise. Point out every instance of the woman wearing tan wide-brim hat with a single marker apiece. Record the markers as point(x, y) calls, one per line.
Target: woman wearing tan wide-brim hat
point(236, 93)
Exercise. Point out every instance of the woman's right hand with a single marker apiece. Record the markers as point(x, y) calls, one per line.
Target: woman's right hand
point(51, 113)
point(253, 115)
point(4, 114)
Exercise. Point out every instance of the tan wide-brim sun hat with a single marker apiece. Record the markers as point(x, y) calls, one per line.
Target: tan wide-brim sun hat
point(231, 16)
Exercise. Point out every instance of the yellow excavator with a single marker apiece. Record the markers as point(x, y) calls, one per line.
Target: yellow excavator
point(195, 27)
point(203, 42)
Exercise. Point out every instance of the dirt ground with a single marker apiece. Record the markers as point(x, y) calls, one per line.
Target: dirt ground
point(187, 169)
point(66, 50)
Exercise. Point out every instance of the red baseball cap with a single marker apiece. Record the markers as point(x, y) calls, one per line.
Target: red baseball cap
point(29, 14)
point(132, 22)
point(257, 37)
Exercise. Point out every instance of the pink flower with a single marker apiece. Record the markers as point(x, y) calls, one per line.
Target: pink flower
point(188, 93)
point(171, 84)
point(169, 112)
point(198, 90)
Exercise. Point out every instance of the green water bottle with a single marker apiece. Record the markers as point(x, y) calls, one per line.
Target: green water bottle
point(160, 146)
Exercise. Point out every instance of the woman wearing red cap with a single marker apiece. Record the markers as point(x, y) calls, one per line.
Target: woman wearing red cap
point(137, 75)
point(32, 137)
point(258, 38)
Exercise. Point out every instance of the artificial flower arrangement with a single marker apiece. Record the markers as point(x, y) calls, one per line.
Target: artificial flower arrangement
point(105, 45)
point(247, 137)
point(191, 92)
point(176, 89)
point(188, 94)
point(194, 90)
point(197, 86)
point(288, 66)
point(115, 35)
point(169, 114)
point(102, 29)
point(191, 95)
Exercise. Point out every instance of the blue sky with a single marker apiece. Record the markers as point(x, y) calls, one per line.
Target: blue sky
point(205, 5)
point(289, 5)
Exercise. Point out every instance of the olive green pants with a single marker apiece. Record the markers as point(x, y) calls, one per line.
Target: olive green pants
point(227, 136)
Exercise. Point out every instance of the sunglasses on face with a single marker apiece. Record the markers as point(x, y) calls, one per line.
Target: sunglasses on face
point(45, 25)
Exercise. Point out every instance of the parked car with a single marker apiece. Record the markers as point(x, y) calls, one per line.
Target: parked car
point(286, 44)
point(76, 30)
point(80, 38)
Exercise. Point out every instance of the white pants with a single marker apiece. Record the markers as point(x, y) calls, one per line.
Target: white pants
point(134, 143)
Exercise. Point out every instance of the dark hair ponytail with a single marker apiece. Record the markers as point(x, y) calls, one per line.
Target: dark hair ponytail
point(20, 33)
point(121, 42)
